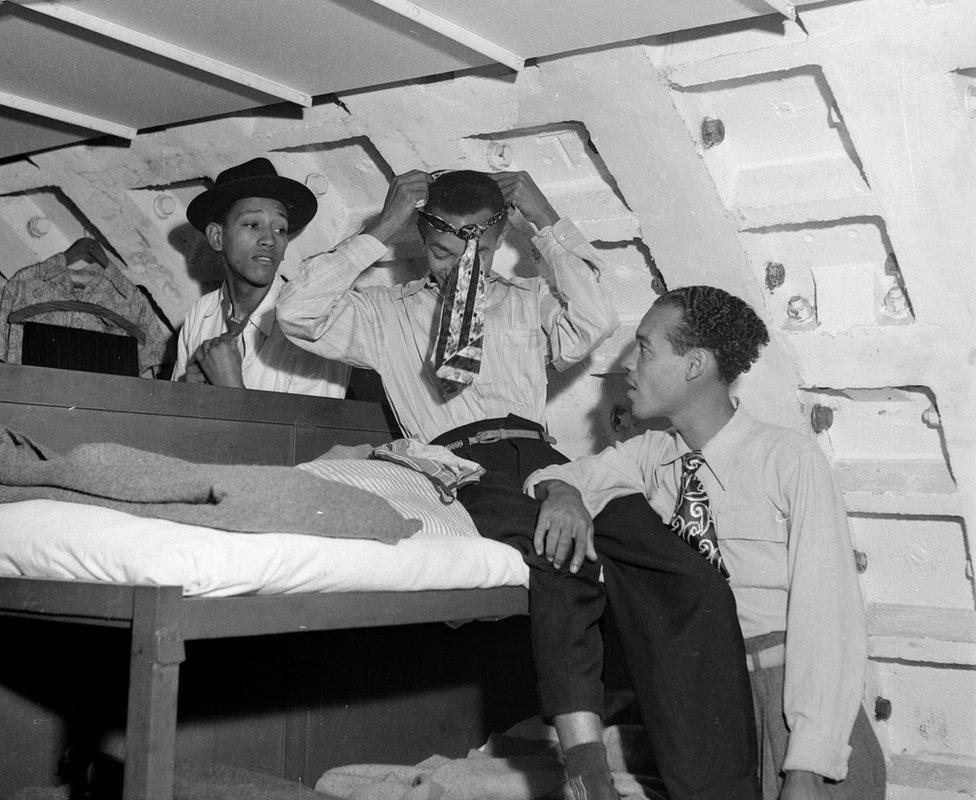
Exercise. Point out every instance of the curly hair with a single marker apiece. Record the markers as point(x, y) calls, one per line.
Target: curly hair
point(723, 323)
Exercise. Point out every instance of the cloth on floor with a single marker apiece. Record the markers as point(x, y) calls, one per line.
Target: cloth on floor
point(521, 764)
point(248, 499)
point(219, 782)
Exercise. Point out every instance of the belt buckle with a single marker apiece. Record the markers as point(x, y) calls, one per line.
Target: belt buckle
point(488, 437)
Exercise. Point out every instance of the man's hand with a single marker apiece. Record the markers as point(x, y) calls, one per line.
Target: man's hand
point(220, 361)
point(519, 189)
point(564, 524)
point(803, 785)
point(86, 249)
point(407, 193)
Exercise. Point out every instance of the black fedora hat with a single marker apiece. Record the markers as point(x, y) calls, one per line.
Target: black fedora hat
point(254, 178)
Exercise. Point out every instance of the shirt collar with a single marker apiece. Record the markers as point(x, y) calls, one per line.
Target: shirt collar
point(263, 317)
point(719, 452)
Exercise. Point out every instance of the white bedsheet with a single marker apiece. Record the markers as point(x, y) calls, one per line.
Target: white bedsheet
point(52, 539)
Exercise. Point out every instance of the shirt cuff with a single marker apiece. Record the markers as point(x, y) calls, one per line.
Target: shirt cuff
point(363, 250)
point(563, 231)
point(544, 474)
point(809, 752)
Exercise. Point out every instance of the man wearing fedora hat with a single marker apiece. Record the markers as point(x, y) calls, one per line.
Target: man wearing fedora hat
point(231, 336)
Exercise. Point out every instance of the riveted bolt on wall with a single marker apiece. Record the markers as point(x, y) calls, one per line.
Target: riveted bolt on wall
point(775, 275)
point(38, 227)
point(821, 418)
point(712, 132)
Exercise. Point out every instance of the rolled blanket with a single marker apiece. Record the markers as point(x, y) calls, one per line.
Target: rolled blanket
point(248, 499)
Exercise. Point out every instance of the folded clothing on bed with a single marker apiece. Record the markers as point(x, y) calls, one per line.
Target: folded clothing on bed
point(248, 499)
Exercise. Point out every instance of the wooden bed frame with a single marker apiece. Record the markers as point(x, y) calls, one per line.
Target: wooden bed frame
point(202, 423)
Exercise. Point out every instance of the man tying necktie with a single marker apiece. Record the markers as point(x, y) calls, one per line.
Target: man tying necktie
point(462, 352)
point(457, 355)
point(756, 514)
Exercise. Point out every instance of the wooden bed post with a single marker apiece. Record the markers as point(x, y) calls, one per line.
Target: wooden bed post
point(154, 674)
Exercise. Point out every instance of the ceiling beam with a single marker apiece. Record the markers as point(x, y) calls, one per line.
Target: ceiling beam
point(454, 32)
point(784, 7)
point(48, 111)
point(174, 52)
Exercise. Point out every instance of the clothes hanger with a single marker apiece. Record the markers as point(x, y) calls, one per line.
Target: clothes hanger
point(26, 313)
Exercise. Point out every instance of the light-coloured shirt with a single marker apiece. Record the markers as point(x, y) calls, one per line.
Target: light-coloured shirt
point(783, 531)
point(529, 323)
point(268, 360)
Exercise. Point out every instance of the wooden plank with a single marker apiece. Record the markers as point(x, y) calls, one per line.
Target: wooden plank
point(42, 386)
point(78, 118)
point(214, 618)
point(212, 441)
point(170, 50)
point(154, 674)
point(80, 601)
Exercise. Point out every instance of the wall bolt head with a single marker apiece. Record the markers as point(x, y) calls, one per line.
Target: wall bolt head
point(775, 275)
point(800, 310)
point(499, 155)
point(712, 132)
point(164, 205)
point(38, 226)
point(882, 709)
point(821, 418)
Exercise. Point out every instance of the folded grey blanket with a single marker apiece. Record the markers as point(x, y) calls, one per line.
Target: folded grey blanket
point(250, 499)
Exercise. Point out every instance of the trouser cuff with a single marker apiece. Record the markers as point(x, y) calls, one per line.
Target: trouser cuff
point(559, 698)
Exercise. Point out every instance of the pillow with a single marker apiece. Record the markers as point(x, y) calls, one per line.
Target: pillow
point(407, 491)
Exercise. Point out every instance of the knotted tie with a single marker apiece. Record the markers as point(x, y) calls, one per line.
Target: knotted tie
point(460, 335)
point(692, 519)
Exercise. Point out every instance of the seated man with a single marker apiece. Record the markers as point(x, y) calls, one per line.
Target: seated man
point(754, 502)
point(230, 336)
point(462, 353)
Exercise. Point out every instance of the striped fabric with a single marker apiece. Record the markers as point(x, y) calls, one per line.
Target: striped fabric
point(410, 493)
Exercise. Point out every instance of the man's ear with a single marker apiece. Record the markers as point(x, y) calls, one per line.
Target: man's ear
point(697, 362)
point(215, 236)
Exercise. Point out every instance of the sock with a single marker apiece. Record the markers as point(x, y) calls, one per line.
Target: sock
point(588, 772)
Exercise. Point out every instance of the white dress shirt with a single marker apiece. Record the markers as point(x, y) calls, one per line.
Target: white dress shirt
point(782, 528)
point(268, 360)
point(529, 323)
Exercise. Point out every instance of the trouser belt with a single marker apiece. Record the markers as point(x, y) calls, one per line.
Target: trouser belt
point(496, 435)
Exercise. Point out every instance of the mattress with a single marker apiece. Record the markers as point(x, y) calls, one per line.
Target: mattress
point(54, 539)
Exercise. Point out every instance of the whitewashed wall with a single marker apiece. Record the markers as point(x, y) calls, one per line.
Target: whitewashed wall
point(841, 202)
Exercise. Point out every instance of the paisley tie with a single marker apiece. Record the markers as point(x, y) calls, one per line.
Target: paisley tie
point(460, 335)
point(692, 519)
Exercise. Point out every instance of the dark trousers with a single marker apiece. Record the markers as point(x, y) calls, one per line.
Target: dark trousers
point(675, 614)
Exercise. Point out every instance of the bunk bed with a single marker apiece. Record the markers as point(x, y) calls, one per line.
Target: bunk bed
point(201, 423)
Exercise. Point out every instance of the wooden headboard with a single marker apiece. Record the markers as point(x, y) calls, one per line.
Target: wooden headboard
point(210, 424)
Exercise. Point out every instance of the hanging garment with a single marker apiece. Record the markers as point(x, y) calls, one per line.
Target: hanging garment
point(92, 299)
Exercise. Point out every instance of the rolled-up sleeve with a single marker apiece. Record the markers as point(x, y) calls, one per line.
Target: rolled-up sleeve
point(576, 312)
point(826, 641)
point(320, 311)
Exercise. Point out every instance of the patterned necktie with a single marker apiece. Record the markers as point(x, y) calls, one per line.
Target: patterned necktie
point(692, 519)
point(460, 335)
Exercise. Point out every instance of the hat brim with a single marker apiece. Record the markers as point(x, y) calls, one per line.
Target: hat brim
point(296, 197)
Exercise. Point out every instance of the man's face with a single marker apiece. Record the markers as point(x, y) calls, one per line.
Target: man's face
point(444, 250)
point(253, 239)
point(657, 376)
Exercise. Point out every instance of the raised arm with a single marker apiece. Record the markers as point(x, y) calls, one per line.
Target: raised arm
point(319, 310)
point(576, 313)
